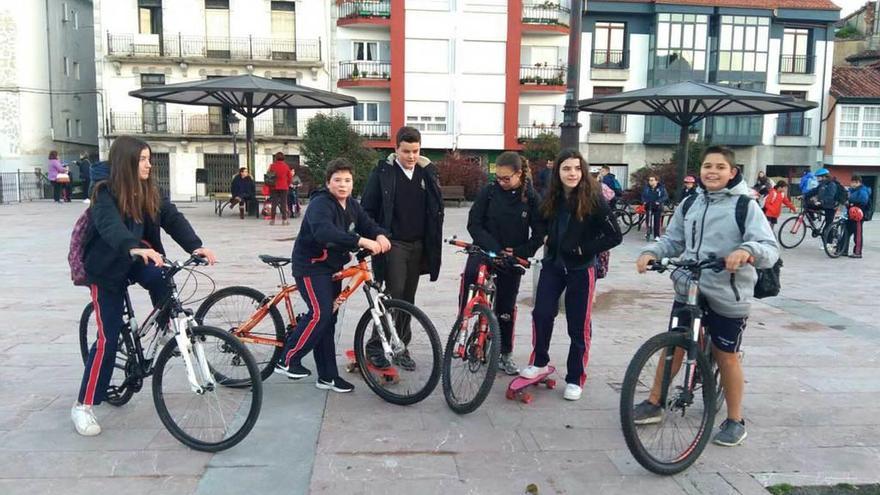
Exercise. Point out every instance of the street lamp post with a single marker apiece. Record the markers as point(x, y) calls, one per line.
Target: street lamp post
point(233, 128)
point(570, 126)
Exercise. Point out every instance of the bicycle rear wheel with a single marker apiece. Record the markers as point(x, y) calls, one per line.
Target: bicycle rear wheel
point(216, 417)
point(118, 392)
point(792, 232)
point(677, 440)
point(229, 308)
point(469, 369)
point(834, 239)
point(624, 221)
point(400, 384)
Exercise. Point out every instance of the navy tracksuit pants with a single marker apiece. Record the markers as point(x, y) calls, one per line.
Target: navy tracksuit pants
point(506, 289)
point(315, 330)
point(578, 286)
point(854, 231)
point(109, 306)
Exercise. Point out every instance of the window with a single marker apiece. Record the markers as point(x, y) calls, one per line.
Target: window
point(284, 120)
point(427, 116)
point(68, 128)
point(796, 52)
point(283, 30)
point(76, 70)
point(609, 40)
point(154, 118)
point(859, 127)
point(793, 124)
point(66, 63)
point(79, 128)
point(217, 28)
point(367, 51)
point(75, 20)
point(605, 123)
point(743, 43)
point(366, 112)
point(680, 42)
point(150, 16)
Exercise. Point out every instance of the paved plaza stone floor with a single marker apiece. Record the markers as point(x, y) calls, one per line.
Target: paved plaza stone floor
point(812, 362)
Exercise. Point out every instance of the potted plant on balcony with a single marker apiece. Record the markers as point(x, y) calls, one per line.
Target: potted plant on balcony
point(355, 73)
point(374, 74)
point(386, 76)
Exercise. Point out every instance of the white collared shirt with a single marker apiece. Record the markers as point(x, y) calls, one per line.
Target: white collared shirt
point(409, 173)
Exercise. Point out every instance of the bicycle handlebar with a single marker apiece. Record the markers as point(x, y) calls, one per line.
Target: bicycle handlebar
point(711, 263)
point(473, 248)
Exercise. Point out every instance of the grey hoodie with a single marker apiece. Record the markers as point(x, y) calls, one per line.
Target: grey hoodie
point(710, 228)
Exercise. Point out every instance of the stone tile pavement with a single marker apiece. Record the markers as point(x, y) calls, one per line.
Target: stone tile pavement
point(812, 397)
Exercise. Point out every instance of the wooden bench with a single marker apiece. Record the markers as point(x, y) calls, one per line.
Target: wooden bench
point(453, 193)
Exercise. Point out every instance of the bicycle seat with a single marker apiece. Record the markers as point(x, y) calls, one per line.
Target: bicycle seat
point(274, 260)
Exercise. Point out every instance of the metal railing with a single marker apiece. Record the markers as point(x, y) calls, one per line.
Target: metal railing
point(363, 69)
point(533, 131)
point(372, 130)
point(793, 126)
point(222, 47)
point(365, 9)
point(796, 64)
point(610, 59)
point(607, 124)
point(190, 124)
point(547, 12)
point(542, 74)
point(19, 186)
point(736, 130)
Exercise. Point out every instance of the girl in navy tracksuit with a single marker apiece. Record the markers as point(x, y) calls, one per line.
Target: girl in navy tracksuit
point(331, 228)
point(126, 215)
point(505, 218)
point(580, 226)
point(653, 196)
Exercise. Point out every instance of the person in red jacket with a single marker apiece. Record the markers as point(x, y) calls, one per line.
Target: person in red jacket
point(777, 197)
point(279, 188)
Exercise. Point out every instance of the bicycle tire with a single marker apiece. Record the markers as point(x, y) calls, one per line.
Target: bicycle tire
point(365, 325)
point(631, 380)
point(231, 345)
point(485, 387)
point(624, 221)
point(122, 348)
point(833, 239)
point(265, 360)
point(796, 237)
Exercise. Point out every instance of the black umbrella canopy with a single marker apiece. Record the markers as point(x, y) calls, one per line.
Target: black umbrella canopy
point(686, 103)
point(248, 95)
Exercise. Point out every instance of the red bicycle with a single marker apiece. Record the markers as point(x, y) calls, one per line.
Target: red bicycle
point(470, 360)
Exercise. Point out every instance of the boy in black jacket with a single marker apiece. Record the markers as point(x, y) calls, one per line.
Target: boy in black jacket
point(331, 228)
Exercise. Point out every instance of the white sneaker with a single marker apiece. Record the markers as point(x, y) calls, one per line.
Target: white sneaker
point(531, 371)
point(84, 420)
point(572, 392)
point(87, 201)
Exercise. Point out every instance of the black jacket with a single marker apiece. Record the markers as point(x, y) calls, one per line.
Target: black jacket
point(243, 188)
point(110, 238)
point(329, 233)
point(583, 239)
point(378, 201)
point(500, 219)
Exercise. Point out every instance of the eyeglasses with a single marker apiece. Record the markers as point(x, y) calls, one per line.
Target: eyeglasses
point(503, 178)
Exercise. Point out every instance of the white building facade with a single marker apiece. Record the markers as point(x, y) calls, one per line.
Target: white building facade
point(47, 83)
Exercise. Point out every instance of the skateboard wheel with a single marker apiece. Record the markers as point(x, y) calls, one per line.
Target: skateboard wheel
point(551, 384)
point(527, 398)
point(351, 367)
point(510, 394)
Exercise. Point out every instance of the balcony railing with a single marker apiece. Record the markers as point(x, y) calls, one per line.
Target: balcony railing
point(796, 64)
point(362, 69)
point(793, 126)
point(610, 59)
point(607, 124)
point(191, 124)
point(222, 47)
point(354, 9)
point(533, 131)
point(542, 74)
point(547, 12)
point(373, 130)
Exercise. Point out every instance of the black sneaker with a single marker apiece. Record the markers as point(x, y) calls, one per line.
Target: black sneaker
point(336, 384)
point(294, 371)
point(647, 413)
point(404, 361)
point(378, 360)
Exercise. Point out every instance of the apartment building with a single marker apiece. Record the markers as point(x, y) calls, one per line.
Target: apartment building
point(47, 85)
point(779, 46)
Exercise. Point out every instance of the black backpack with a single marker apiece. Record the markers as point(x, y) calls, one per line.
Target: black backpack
point(269, 178)
point(769, 279)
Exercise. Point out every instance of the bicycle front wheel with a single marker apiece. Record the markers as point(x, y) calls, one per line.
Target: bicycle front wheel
point(834, 239)
point(667, 444)
point(210, 416)
point(413, 374)
point(470, 361)
point(792, 232)
point(229, 308)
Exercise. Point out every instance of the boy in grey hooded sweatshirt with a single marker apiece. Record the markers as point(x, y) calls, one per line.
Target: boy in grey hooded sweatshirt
point(710, 228)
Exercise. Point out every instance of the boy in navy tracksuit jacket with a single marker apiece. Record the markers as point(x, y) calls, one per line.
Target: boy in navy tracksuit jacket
point(654, 195)
point(332, 227)
point(860, 196)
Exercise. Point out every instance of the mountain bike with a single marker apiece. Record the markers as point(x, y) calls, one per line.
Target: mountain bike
point(834, 239)
point(689, 400)
point(242, 312)
point(470, 360)
point(794, 229)
point(205, 382)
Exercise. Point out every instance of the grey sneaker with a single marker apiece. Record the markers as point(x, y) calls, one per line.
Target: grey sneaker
point(731, 433)
point(507, 365)
point(646, 413)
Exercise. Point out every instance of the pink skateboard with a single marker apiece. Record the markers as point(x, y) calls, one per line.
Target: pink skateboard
point(517, 388)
